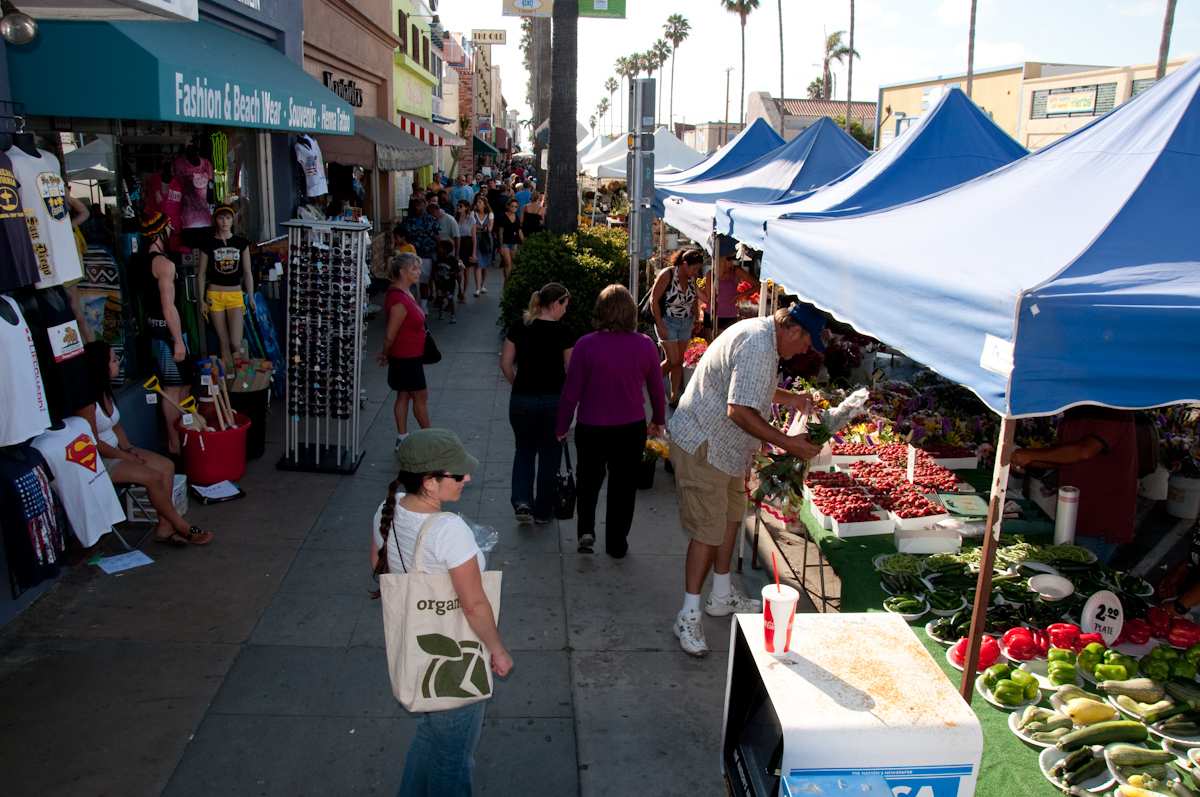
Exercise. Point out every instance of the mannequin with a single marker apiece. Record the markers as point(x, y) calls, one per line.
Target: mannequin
point(223, 276)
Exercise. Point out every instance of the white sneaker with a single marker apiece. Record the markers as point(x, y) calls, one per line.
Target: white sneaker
point(733, 603)
point(690, 634)
point(483, 290)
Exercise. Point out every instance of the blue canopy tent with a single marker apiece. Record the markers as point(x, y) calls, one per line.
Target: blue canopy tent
point(752, 143)
point(819, 154)
point(954, 142)
point(1070, 276)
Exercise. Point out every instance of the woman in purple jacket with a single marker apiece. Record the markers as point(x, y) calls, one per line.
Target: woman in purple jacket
point(608, 371)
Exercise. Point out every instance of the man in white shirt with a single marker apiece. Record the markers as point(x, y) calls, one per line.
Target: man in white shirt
point(447, 226)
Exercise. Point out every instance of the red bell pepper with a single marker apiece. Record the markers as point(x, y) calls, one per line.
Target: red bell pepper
point(1064, 635)
point(1183, 633)
point(989, 653)
point(1018, 643)
point(1087, 639)
point(1135, 632)
point(1041, 643)
point(1160, 621)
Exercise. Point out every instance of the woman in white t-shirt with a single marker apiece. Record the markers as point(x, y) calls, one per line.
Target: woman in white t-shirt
point(434, 468)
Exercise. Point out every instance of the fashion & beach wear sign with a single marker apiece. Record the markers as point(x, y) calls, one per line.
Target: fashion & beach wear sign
point(199, 99)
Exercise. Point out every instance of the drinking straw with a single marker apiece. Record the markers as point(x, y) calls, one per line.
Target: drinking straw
point(775, 567)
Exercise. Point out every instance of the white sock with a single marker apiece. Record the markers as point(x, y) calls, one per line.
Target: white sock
point(401, 437)
point(721, 585)
point(691, 603)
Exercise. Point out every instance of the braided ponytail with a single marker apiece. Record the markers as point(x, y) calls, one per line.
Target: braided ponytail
point(386, 515)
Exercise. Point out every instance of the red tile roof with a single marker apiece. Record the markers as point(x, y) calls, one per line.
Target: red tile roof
point(862, 111)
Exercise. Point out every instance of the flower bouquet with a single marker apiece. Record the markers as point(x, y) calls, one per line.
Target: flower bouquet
point(654, 450)
point(694, 351)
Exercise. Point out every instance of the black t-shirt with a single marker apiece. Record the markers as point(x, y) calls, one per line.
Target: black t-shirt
point(18, 266)
point(497, 200)
point(508, 230)
point(30, 519)
point(224, 260)
point(540, 347)
point(59, 344)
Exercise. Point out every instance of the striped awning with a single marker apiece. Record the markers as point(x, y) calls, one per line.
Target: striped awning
point(426, 131)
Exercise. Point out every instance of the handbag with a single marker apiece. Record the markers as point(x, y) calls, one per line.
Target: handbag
point(564, 507)
point(432, 355)
point(645, 313)
point(435, 661)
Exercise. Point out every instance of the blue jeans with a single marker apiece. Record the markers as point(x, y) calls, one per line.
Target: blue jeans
point(442, 754)
point(678, 329)
point(533, 418)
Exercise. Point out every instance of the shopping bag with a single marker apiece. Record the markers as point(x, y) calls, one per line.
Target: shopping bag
point(432, 355)
point(435, 661)
point(564, 508)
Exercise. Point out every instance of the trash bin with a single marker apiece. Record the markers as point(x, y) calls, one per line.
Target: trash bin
point(254, 405)
point(215, 455)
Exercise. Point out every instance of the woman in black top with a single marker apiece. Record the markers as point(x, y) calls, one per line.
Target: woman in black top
point(534, 361)
point(225, 272)
point(508, 229)
point(533, 217)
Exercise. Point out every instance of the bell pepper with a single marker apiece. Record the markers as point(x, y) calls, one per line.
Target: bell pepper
point(989, 652)
point(1164, 653)
point(1159, 669)
point(1021, 649)
point(1135, 631)
point(1025, 681)
point(1041, 642)
point(1020, 632)
point(1192, 654)
point(1159, 620)
point(1183, 669)
point(1183, 633)
point(994, 674)
point(1061, 654)
point(1090, 639)
point(1110, 672)
point(1063, 635)
point(1008, 692)
point(1090, 656)
point(1061, 673)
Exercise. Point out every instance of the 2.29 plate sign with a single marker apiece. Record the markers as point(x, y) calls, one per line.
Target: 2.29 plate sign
point(1103, 615)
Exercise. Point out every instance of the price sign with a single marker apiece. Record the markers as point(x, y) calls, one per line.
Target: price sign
point(187, 419)
point(1103, 615)
point(151, 398)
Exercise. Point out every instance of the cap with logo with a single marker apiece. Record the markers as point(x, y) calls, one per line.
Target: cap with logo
point(812, 320)
point(435, 451)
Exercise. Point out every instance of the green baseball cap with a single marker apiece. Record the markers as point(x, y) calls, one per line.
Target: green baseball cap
point(435, 451)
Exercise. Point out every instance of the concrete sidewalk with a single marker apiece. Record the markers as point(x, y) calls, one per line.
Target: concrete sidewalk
point(257, 666)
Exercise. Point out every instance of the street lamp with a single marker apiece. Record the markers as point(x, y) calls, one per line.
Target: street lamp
point(16, 26)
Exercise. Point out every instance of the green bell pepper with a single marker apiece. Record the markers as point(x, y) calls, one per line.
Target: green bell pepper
point(1183, 669)
point(1192, 654)
point(1026, 681)
point(1061, 673)
point(1090, 656)
point(1164, 652)
point(1061, 654)
point(1128, 662)
point(1158, 669)
point(1009, 692)
point(1110, 672)
point(992, 675)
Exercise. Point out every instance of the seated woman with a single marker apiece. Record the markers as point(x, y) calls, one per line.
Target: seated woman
point(128, 464)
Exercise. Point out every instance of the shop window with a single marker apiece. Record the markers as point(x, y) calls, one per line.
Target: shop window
point(402, 30)
point(425, 53)
point(1093, 100)
point(415, 41)
point(1141, 85)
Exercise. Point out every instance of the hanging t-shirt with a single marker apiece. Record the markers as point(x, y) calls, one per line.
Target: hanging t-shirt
point(18, 264)
point(308, 155)
point(81, 482)
point(193, 179)
point(60, 351)
point(29, 517)
point(44, 197)
point(166, 197)
point(224, 260)
point(25, 411)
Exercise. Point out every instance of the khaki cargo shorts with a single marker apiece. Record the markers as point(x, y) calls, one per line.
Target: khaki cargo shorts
point(709, 499)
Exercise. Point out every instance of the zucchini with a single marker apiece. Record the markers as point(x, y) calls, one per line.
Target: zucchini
point(1104, 733)
point(1075, 760)
point(1131, 755)
point(1089, 770)
point(1050, 737)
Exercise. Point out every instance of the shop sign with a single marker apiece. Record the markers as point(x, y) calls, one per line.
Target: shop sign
point(345, 88)
point(489, 36)
point(484, 125)
point(196, 100)
point(1077, 101)
point(609, 9)
point(255, 4)
point(112, 10)
point(530, 8)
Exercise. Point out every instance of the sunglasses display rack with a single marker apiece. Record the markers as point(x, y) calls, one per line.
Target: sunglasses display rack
point(326, 292)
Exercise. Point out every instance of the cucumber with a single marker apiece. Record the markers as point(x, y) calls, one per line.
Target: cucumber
point(1104, 733)
point(1050, 737)
point(1130, 755)
point(1089, 770)
point(1073, 761)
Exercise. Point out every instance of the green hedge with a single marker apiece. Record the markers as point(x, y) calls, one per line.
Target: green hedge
point(585, 262)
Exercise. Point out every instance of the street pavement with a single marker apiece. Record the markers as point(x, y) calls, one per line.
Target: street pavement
point(256, 666)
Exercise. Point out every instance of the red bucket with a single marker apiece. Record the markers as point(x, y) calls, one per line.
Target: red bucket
point(215, 455)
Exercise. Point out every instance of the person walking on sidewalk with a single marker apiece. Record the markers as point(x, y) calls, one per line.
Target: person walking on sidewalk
point(534, 360)
point(433, 469)
point(720, 423)
point(485, 244)
point(608, 371)
point(404, 344)
point(421, 230)
point(675, 303)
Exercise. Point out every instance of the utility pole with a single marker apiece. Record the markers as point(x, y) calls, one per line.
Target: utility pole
point(725, 127)
point(1164, 45)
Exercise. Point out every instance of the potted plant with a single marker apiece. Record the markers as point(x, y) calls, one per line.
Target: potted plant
point(654, 451)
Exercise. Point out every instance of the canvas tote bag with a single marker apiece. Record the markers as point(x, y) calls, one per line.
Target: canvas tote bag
point(436, 662)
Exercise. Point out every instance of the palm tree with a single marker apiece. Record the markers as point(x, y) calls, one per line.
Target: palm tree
point(850, 67)
point(610, 86)
point(781, 94)
point(603, 107)
point(660, 51)
point(675, 30)
point(1164, 45)
point(621, 67)
point(742, 8)
point(834, 51)
point(562, 213)
point(592, 123)
point(970, 50)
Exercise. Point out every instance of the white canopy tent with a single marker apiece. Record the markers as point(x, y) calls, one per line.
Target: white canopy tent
point(669, 154)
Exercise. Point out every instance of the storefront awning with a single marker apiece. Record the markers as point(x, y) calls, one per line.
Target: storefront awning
point(194, 72)
point(426, 131)
point(484, 148)
point(395, 150)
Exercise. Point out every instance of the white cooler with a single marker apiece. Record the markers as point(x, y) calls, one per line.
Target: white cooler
point(857, 701)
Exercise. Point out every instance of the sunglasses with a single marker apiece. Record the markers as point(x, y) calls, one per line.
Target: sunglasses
point(458, 477)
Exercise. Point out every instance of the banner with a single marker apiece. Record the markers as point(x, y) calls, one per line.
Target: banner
point(608, 9)
point(528, 8)
point(1078, 101)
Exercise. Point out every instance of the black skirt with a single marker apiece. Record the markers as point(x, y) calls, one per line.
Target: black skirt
point(406, 375)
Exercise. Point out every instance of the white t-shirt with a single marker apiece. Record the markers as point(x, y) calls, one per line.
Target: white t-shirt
point(105, 425)
point(448, 227)
point(449, 541)
point(24, 411)
point(313, 166)
point(80, 481)
point(48, 216)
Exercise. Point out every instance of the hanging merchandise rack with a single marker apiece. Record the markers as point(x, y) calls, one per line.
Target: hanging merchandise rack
point(326, 294)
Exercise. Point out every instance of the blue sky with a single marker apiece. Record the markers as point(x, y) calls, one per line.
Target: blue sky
point(899, 40)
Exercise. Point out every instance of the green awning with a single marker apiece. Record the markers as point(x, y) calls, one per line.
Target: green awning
point(481, 147)
point(194, 72)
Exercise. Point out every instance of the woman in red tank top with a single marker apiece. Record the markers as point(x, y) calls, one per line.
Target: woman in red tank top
point(404, 344)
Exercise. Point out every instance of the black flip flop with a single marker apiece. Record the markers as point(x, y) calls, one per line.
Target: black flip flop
point(586, 541)
point(175, 540)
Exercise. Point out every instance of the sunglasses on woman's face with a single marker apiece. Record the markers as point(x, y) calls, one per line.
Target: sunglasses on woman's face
point(458, 477)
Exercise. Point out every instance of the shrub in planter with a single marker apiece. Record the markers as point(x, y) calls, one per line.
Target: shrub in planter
point(584, 261)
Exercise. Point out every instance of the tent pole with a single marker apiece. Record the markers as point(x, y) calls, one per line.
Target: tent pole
point(713, 279)
point(991, 538)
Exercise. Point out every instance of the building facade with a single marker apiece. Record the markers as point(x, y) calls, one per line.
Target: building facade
point(789, 117)
point(707, 137)
point(413, 76)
